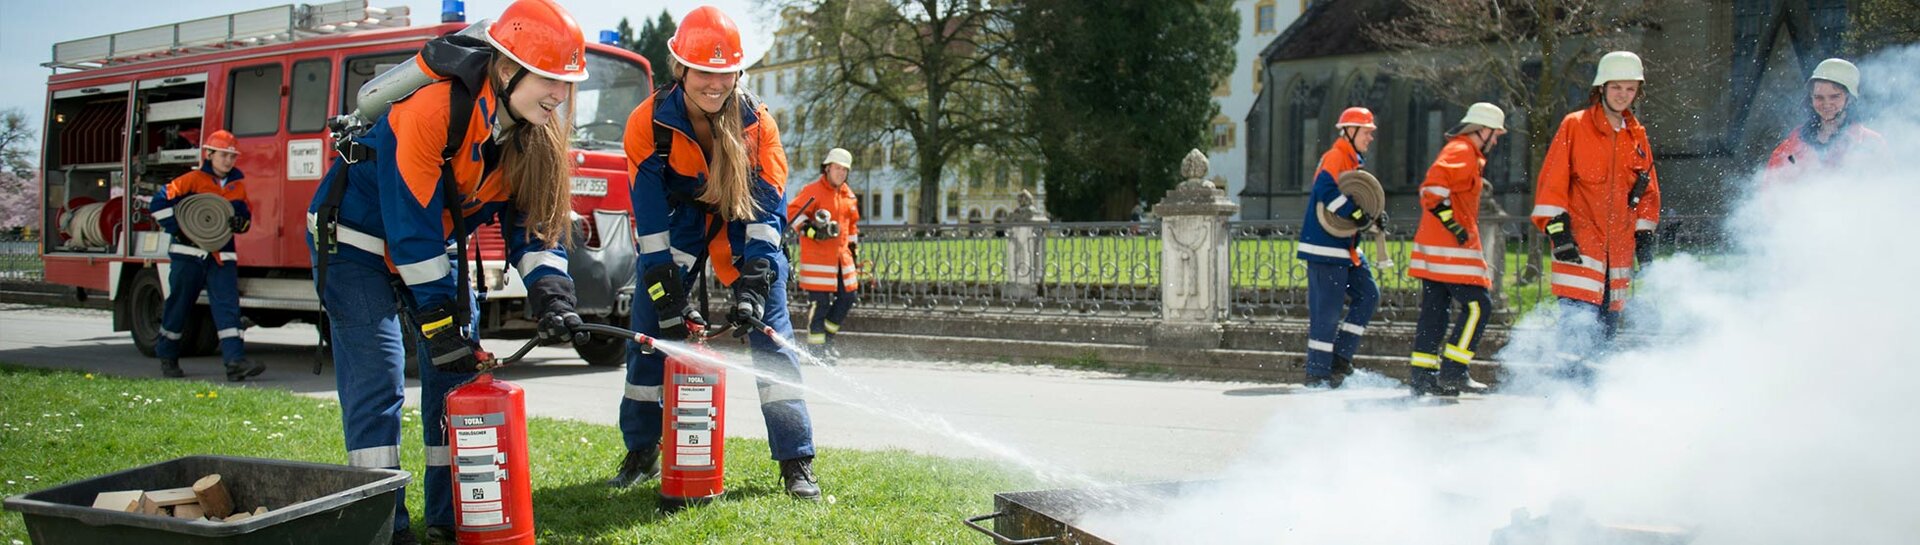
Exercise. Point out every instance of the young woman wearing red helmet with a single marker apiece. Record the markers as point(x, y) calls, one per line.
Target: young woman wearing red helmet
point(384, 219)
point(709, 177)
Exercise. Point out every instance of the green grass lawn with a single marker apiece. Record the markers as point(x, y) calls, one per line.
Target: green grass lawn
point(58, 426)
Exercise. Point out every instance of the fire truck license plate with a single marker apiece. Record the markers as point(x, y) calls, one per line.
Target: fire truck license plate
point(589, 186)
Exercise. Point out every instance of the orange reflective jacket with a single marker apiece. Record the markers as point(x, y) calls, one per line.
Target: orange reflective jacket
point(1453, 178)
point(827, 264)
point(1588, 172)
point(1799, 155)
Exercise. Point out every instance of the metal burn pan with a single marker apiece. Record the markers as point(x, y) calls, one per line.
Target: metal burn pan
point(1051, 516)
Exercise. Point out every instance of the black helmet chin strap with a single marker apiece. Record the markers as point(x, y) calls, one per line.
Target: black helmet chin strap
point(507, 94)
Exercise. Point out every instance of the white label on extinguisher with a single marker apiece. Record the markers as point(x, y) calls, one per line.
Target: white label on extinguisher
point(694, 438)
point(696, 394)
point(693, 457)
point(473, 507)
point(487, 491)
point(490, 518)
point(475, 438)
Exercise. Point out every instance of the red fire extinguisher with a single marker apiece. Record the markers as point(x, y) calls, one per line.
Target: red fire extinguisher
point(694, 403)
point(493, 492)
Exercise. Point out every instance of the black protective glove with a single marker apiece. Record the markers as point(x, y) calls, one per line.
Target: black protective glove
point(447, 345)
point(1560, 232)
point(821, 230)
point(1444, 211)
point(669, 296)
point(1643, 247)
point(853, 247)
point(750, 295)
point(552, 298)
point(239, 224)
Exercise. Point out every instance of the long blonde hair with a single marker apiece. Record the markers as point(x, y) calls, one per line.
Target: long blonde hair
point(728, 190)
point(535, 159)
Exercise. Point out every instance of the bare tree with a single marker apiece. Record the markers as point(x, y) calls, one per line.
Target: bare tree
point(1529, 55)
point(933, 71)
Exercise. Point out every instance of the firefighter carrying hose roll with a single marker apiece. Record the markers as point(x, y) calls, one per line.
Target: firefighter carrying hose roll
point(1341, 294)
point(1830, 133)
point(827, 217)
point(1598, 201)
point(708, 185)
point(481, 143)
point(196, 268)
point(1448, 260)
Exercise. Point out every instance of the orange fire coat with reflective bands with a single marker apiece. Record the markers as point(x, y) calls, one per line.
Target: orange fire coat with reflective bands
point(1589, 169)
point(827, 264)
point(1455, 179)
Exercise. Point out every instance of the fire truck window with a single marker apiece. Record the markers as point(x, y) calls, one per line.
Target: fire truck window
point(307, 105)
point(253, 100)
point(360, 69)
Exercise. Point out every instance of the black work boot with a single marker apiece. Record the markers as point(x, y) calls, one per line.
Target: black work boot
point(639, 466)
point(1342, 366)
point(798, 474)
point(441, 535)
point(240, 369)
point(1426, 382)
point(171, 368)
point(404, 537)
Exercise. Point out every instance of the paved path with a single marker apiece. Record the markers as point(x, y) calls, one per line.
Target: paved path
point(1081, 421)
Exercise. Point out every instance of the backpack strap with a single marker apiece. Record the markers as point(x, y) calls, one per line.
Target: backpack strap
point(460, 101)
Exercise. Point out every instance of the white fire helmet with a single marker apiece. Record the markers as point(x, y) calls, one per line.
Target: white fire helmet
point(1619, 66)
point(1840, 72)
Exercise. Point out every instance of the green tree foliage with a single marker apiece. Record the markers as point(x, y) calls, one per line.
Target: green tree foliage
point(1878, 24)
point(1122, 90)
point(651, 42)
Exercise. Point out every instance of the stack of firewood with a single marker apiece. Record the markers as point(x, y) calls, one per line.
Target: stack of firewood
point(206, 500)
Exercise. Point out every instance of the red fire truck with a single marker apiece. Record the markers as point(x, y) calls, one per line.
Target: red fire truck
point(125, 113)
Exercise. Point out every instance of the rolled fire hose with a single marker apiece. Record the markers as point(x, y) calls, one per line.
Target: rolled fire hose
point(205, 219)
point(82, 225)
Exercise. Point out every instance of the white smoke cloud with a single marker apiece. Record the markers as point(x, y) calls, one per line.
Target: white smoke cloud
point(1773, 402)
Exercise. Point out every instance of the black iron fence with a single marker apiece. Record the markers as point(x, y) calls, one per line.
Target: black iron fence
point(19, 256)
point(1112, 270)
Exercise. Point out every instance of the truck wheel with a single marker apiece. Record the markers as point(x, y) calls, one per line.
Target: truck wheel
point(142, 309)
point(602, 351)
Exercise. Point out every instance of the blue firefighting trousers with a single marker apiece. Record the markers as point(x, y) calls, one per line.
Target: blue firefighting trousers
point(364, 306)
point(1334, 290)
point(190, 274)
point(789, 428)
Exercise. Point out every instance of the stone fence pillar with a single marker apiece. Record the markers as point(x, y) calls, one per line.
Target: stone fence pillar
point(1195, 289)
point(1026, 249)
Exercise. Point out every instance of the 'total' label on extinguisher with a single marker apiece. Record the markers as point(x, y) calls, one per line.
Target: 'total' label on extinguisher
point(479, 471)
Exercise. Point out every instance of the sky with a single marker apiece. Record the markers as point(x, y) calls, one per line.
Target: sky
point(29, 28)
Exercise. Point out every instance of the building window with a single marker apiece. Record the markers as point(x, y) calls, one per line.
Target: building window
point(1309, 158)
point(1259, 76)
point(1222, 133)
point(780, 81)
point(953, 204)
point(1264, 14)
point(899, 206)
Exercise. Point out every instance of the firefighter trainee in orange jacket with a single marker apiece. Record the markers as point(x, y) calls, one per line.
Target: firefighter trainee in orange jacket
point(1447, 257)
point(827, 218)
point(1830, 134)
point(1598, 201)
